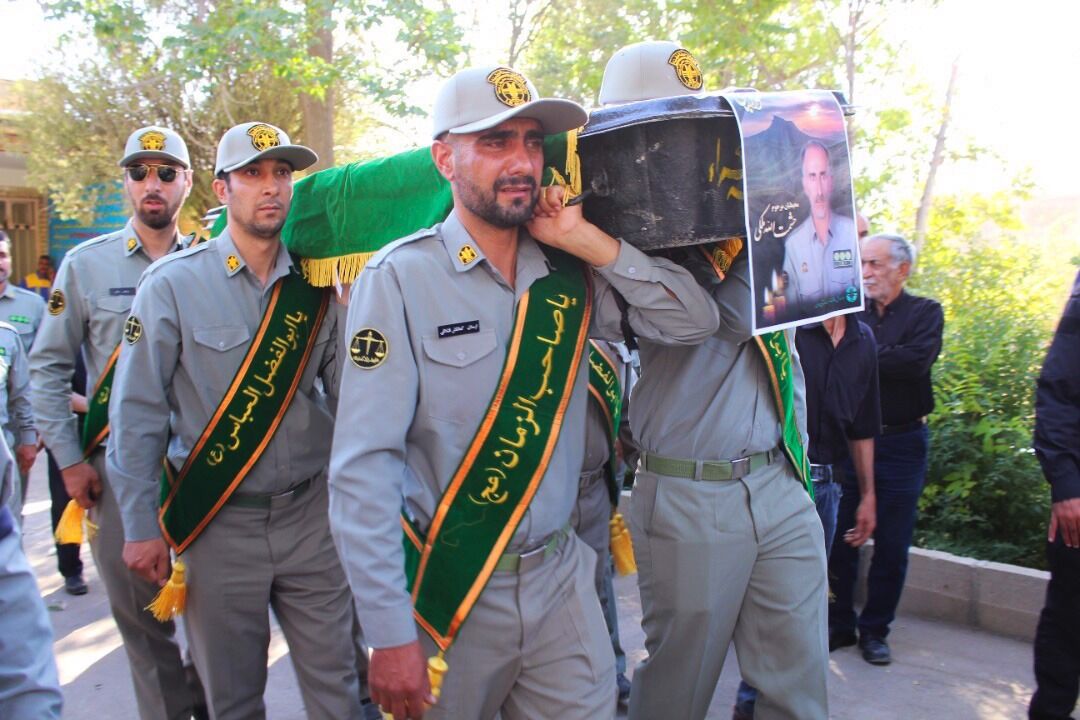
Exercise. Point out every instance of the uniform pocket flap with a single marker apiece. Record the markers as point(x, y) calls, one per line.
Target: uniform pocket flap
point(461, 350)
point(115, 303)
point(221, 337)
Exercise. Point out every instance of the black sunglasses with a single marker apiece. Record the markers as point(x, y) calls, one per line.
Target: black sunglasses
point(165, 173)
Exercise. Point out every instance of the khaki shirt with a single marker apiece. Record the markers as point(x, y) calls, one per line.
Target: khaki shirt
point(712, 401)
point(16, 415)
point(86, 312)
point(199, 317)
point(23, 310)
point(817, 270)
point(403, 427)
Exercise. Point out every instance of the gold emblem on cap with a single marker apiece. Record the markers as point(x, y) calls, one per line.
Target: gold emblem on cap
point(132, 330)
point(131, 244)
point(466, 254)
point(686, 69)
point(56, 302)
point(232, 262)
point(510, 87)
point(263, 137)
point(368, 348)
point(152, 140)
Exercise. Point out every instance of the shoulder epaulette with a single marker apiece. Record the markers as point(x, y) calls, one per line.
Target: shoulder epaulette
point(400, 242)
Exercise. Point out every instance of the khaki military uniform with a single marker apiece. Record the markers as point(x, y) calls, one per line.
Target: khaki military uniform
point(23, 310)
point(817, 270)
point(718, 560)
point(535, 644)
point(93, 292)
point(270, 544)
point(16, 415)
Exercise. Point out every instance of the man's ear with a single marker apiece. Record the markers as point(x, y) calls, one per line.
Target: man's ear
point(219, 190)
point(442, 153)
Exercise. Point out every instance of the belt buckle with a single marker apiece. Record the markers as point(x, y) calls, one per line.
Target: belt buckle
point(740, 467)
point(528, 560)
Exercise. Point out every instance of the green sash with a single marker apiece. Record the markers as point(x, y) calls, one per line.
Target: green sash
point(606, 388)
point(245, 421)
point(505, 463)
point(96, 422)
point(777, 356)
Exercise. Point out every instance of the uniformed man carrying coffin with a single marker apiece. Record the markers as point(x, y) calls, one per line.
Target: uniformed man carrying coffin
point(460, 432)
point(221, 353)
point(87, 311)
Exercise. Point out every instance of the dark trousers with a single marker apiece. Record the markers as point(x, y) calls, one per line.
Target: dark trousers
point(1057, 639)
point(67, 556)
point(900, 463)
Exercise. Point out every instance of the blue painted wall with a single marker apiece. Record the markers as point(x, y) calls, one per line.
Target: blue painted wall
point(111, 215)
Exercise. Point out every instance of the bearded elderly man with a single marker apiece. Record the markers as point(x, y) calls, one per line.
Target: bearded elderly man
point(87, 310)
point(462, 422)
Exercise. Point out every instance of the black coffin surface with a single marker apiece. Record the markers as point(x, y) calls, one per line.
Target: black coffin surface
point(665, 173)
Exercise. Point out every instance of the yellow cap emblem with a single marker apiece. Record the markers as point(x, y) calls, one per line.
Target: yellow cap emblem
point(152, 140)
point(368, 348)
point(466, 254)
point(131, 244)
point(56, 302)
point(232, 262)
point(263, 137)
point(686, 69)
point(510, 87)
point(132, 330)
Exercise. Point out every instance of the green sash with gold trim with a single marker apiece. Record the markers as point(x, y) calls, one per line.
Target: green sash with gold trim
point(96, 422)
point(776, 353)
point(245, 421)
point(489, 493)
point(606, 388)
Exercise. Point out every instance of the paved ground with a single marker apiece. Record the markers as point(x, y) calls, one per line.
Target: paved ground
point(940, 670)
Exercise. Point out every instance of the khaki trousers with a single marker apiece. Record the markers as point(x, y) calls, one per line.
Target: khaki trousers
point(535, 646)
point(741, 559)
point(248, 560)
point(157, 671)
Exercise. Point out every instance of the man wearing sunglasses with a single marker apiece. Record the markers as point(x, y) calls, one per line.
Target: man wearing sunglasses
point(87, 310)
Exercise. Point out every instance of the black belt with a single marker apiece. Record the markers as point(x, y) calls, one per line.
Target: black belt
point(259, 501)
point(821, 473)
point(902, 427)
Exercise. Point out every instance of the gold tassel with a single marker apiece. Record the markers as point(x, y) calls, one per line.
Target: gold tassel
point(436, 669)
point(320, 271)
point(170, 600)
point(622, 549)
point(69, 531)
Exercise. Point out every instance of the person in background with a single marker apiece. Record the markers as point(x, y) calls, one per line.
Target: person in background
point(908, 331)
point(40, 281)
point(1057, 445)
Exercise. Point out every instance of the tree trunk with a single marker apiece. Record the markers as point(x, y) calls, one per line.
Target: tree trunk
point(318, 112)
point(922, 218)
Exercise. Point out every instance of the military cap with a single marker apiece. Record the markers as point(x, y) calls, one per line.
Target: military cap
point(247, 142)
point(650, 70)
point(479, 98)
point(155, 143)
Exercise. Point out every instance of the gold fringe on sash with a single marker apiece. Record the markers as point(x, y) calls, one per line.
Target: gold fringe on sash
point(171, 599)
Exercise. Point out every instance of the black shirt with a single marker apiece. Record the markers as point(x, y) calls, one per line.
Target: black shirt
point(841, 389)
point(1057, 406)
point(908, 337)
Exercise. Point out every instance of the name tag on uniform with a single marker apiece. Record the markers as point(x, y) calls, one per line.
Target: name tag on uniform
point(19, 319)
point(843, 258)
point(465, 328)
point(122, 291)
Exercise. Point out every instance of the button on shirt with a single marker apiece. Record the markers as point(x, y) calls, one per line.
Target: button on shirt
point(96, 282)
point(23, 310)
point(841, 389)
point(908, 337)
point(712, 401)
point(199, 311)
point(817, 270)
point(403, 427)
